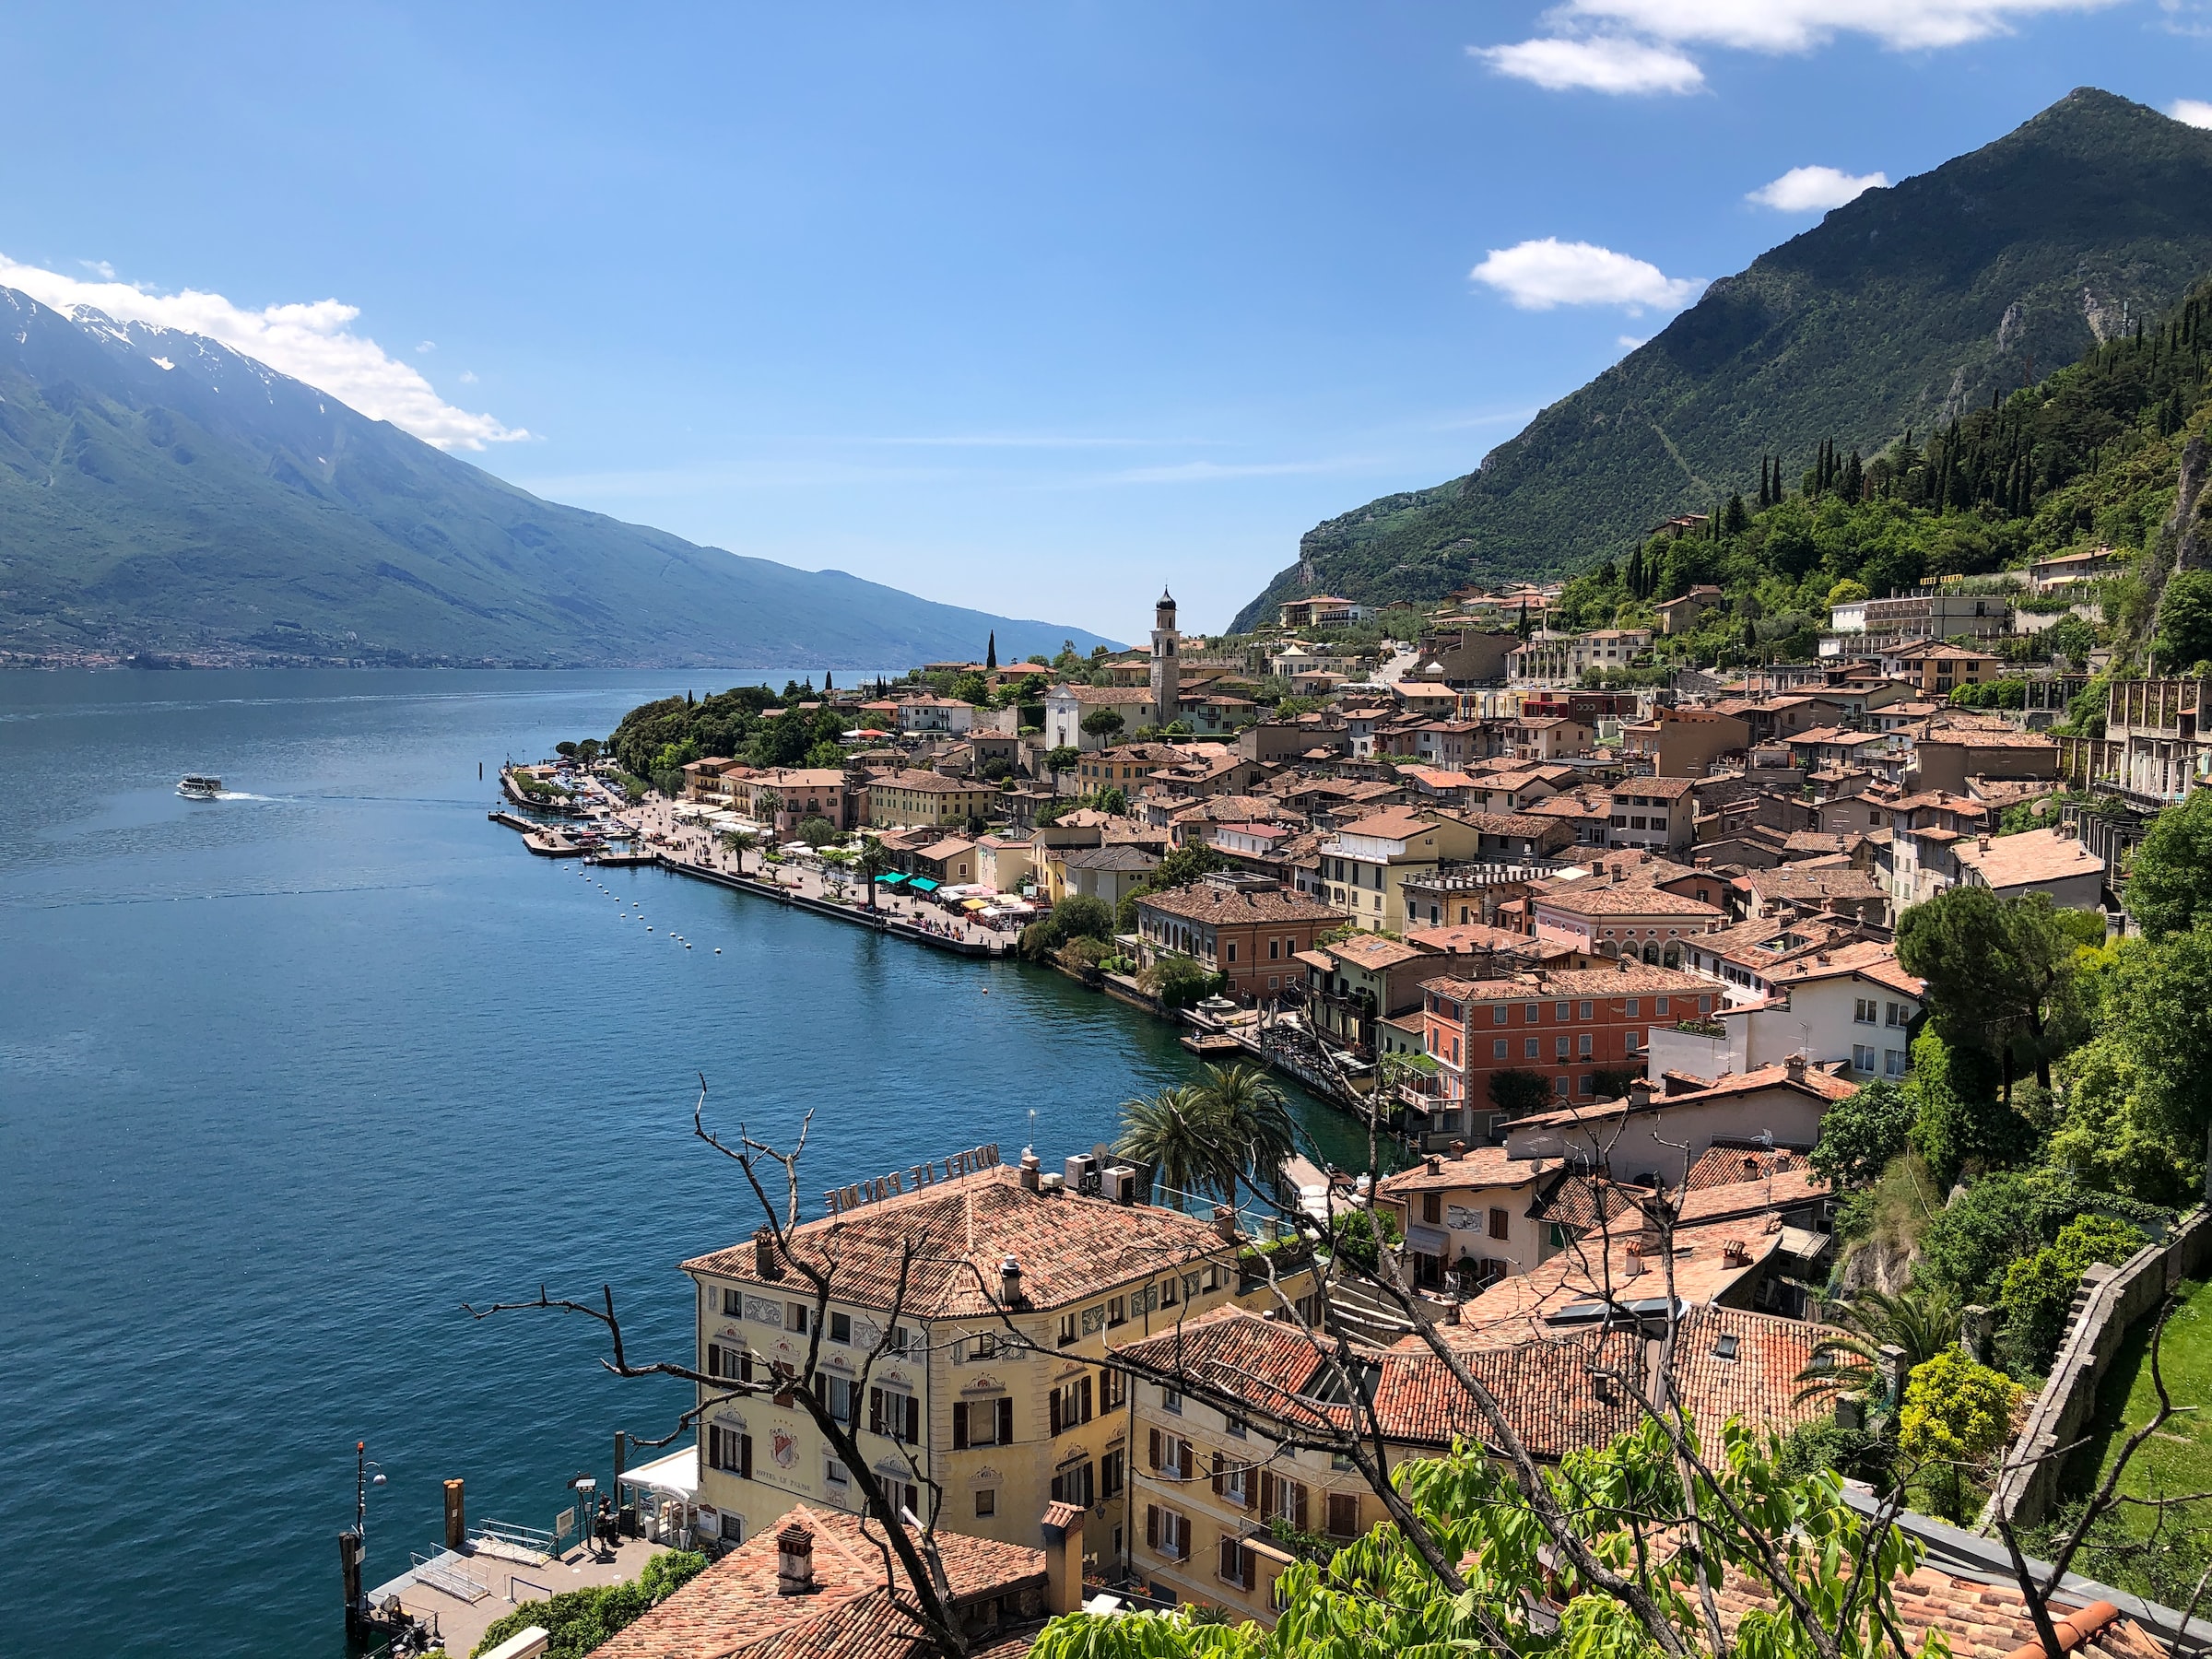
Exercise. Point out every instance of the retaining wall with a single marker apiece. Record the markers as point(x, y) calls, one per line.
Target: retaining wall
point(2118, 1298)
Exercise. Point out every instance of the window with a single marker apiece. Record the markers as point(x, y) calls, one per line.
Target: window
point(1344, 1514)
point(1659, 1005)
point(1498, 1014)
point(1562, 1084)
point(1067, 1328)
point(1167, 1532)
point(1112, 1473)
point(1433, 1208)
point(1630, 1010)
point(1073, 1485)
point(1559, 1046)
point(1500, 1222)
point(895, 1413)
point(1274, 950)
point(1168, 1287)
point(1532, 1048)
point(986, 1501)
point(840, 1396)
point(841, 1327)
point(1862, 1010)
point(836, 1477)
point(982, 1423)
point(1893, 1062)
point(1499, 1050)
point(729, 1451)
point(1117, 1311)
point(1588, 1085)
point(1631, 1041)
point(1581, 1045)
point(795, 1318)
point(983, 1346)
point(1233, 950)
point(1562, 1011)
point(1862, 1057)
point(1070, 1404)
point(1897, 1016)
point(1282, 1498)
point(1172, 1455)
point(1171, 1400)
point(1236, 1561)
point(1233, 1480)
point(1586, 1006)
point(733, 1304)
point(735, 1363)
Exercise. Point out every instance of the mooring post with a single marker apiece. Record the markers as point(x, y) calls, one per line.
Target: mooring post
point(456, 1520)
point(349, 1566)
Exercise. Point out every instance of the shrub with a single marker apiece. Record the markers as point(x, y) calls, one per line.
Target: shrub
point(576, 1622)
point(1518, 1093)
point(2039, 1289)
point(1180, 983)
point(1860, 1134)
point(1359, 1232)
point(1956, 1413)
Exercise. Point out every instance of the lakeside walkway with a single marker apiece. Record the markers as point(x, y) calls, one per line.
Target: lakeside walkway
point(690, 851)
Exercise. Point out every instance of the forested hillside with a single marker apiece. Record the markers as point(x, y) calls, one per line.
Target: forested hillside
point(1905, 309)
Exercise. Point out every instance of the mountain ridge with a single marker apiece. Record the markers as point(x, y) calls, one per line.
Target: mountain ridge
point(2025, 251)
point(165, 496)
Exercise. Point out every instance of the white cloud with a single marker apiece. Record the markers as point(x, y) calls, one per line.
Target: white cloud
point(1639, 45)
point(1629, 342)
point(2193, 110)
point(312, 342)
point(1799, 25)
point(423, 346)
point(1536, 276)
point(469, 377)
point(1815, 189)
point(1604, 64)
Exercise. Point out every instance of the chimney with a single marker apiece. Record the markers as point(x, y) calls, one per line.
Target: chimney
point(1225, 1221)
point(1064, 1558)
point(1029, 1169)
point(1640, 1093)
point(1633, 1264)
point(1794, 1067)
point(1733, 1253)
point(794, 1561)
point(1889, 1365)
point(764, 1253)
point(1009, 1283)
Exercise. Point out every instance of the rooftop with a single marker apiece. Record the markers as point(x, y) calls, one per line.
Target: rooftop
point(2028, 859)
point(1211, 903)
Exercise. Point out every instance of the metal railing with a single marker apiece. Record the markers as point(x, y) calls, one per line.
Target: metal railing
point(449, 1573)
point(534, 1539)
point(545, 1590)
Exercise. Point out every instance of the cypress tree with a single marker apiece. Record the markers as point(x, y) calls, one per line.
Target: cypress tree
point(1634, 583)
point(990, 653)
point(1855, 478)
point(1738, 520)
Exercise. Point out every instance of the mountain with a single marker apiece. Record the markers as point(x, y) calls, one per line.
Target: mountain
point(1902, 309)
point(162, 495)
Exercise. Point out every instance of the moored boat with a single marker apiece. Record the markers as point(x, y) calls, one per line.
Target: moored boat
point(194, 787)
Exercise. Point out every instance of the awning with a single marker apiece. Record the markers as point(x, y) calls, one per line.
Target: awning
point(921, 883)
point(676, 1474)
point(1428, 1241)
point(974, 904)
point(889, 880)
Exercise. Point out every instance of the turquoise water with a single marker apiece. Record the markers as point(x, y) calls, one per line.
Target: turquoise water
point(286, 1078)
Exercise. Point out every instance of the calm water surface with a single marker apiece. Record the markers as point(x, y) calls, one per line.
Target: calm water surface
point(285, 1078)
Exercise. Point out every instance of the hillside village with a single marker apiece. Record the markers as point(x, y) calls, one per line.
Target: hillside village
point(1609, 949)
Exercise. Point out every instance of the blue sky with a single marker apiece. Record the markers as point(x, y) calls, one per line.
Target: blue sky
point(1032, 308)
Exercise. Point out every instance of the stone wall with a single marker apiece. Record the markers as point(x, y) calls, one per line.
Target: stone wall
point(2116, 1297)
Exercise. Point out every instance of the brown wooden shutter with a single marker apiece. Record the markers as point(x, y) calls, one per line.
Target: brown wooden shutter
point(1086, 1416)
point(744, 1366)
point(1218, 1479)
point(714, 1447)
point(1152, 1449)
point(745, 1455)
point(913, 1419)
point(1054, 1412)
point(960, 1425)
point(1268, 1493)
point(875, 1411)
point(1152, 1525)
point(713, 1359)
point(1006, 1422)
point(1297, 1504)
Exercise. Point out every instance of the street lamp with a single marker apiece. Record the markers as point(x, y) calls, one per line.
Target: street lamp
point(362, 1481)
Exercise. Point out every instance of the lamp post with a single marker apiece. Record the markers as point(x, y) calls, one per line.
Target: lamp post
point(353, 1547)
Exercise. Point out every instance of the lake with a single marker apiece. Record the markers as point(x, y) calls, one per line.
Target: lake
point(288, 1077)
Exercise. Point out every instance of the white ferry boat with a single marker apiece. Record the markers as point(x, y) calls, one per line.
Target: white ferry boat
point(196, 788)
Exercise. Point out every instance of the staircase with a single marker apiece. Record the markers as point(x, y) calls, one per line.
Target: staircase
point(1364, 1314)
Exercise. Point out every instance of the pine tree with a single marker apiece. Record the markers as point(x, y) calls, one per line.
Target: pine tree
point(991, 652)
point(1738, 520)
point(1855, 478)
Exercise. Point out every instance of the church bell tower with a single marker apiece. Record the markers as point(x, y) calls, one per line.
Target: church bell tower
point(1166, 667)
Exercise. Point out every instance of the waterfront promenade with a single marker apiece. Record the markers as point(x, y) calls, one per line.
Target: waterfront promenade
point(691, 850)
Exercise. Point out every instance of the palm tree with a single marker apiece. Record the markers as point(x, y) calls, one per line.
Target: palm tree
point(1922, 1320)
point(740, 842)
point(874, 860)
point(1249, 1114)
point(1175, 1133)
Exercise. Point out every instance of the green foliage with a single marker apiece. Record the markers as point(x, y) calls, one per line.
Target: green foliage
point(1181, 983)
point(1959, 1122)
point(2163, 1009)
point(817, 831)
point(1999, 973)
point(1860, 1135)
point(1853, 1453)
point(1102, 721)
point(1179, 868)
point(1922, 1320)
point(2071, 638)
point(579, 1620)
point(2004, 1214)
point(2184, 621)
point(2170, 882)
point(1062, 758)
point(1359, 1236)
point(2039, 1289)
point(1079, 916)
point(1956, 1413)
point(2111, 1136)
point(1518, 1093)
point(1378, 1596)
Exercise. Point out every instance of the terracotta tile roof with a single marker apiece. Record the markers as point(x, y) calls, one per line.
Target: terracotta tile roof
point(1728, 1164)
point(1802, 881)
point(1467, 938)
point(1069, 1247)
point(1979, 1620)
point(1663, 789)
point(1372, 952)
point(2037, 855)
point(929, 782)
point(1628, 980)
point(1119, 856)
point(733, 1610)
point(1203, 901)
point(1476, 1169)
point(1398, 823)
point(1787, 1189)
point(1592, 898)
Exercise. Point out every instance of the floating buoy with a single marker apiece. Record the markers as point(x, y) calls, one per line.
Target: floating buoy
point(717, 950)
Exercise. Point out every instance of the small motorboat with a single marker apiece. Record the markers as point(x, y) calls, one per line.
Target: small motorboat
point(194, 787)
